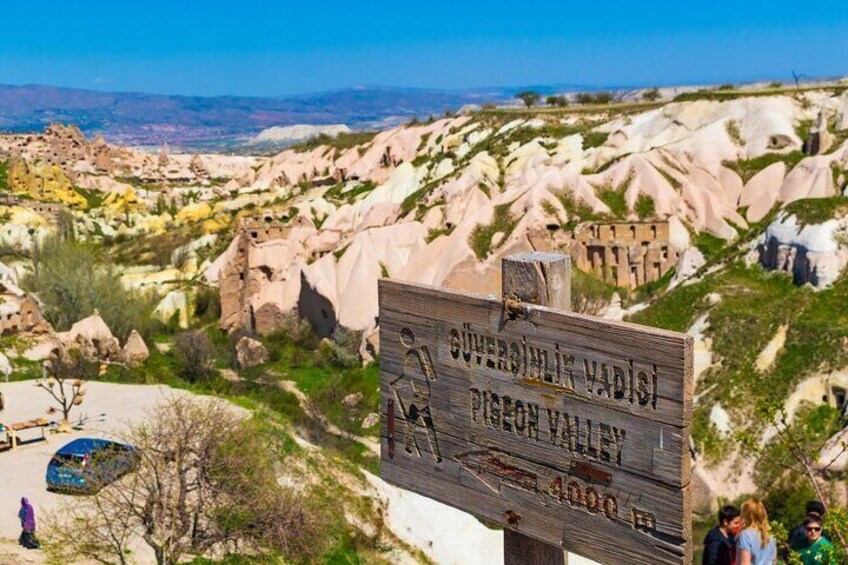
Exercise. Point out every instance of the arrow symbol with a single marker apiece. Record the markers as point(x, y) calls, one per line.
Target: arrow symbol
point(490, 469)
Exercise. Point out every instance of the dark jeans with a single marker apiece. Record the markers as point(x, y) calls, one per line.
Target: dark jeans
point(29, 541)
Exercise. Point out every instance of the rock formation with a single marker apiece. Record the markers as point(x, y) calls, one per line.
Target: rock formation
point(135, 351)
point(816, 254)
point(19, 311)
point(250, 353)
point(91, 337)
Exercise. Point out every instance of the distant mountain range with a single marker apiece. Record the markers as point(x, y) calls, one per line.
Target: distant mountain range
point(132, 118)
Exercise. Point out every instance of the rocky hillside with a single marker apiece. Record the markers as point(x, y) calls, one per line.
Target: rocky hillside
point(722, 214)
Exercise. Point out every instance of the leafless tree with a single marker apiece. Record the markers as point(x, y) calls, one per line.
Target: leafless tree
point(64, 380)
point(205, 484)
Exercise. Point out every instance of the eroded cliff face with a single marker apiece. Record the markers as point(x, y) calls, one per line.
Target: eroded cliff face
point(814, 254)
point(456, 195)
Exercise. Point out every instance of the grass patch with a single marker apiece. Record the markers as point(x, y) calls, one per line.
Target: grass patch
point(735, 133)
point(577, 209)
point(336, 194)
point(93, 198)
point(436, 233)
point(747, 168)
point(645, 207)
point(594, 139)
point(754, 303)
point(340, 142)
point(818, 210)
point(716, 95)
point(4, 175)
point(614, 199)
point(481, 237)
point(710, 245)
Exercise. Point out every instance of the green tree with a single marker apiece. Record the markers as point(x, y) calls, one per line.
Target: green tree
point(557, 100)
point(584, 98)
point(651, 95)
point(72, 281)
point(602, 97)
point(205, 484)
point(795, 458)
point(529, 97)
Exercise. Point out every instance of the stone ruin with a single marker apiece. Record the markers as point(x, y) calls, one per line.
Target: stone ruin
point(47, 210)
point(625, 254)
point(265, 227)
point(19, 312)
point(61, 146)
point(246, 273)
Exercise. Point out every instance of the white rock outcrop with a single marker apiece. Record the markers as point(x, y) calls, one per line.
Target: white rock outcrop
point(815, 253)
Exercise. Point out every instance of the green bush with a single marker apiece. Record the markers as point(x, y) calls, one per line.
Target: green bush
point(615, 200)
point(529, 97)
point(481, 237)
point(4, 175)
point(645, 207)
point(651, 95)
point(73, 282)
point(194, 354)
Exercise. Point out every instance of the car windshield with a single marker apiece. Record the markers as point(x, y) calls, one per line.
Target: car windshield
point(67, 460)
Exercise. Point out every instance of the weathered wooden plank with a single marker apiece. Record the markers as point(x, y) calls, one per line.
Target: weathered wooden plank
point(579, 356)
point(558, 509)
point(565, 429)
point(480, 467)
point(538, 278)
point(492, 411)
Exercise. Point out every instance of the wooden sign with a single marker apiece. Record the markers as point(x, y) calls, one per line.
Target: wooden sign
point(566, 428)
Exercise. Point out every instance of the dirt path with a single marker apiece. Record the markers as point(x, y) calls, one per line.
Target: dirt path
point(307, 406)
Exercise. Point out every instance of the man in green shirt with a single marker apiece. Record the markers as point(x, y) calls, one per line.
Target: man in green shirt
point(819, 551)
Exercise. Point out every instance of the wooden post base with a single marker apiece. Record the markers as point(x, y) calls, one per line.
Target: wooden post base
point(521, 550)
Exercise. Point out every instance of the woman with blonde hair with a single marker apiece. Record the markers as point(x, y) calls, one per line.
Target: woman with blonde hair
point(755, 544)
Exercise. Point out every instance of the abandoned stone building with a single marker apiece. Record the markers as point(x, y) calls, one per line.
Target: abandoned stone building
point(47, 210)
point(625, 254)
point(267, 226)
point(19, 312)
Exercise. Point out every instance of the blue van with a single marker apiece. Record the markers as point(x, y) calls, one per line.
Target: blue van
point(88, 464)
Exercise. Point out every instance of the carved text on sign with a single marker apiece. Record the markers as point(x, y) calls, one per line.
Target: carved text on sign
point(621, 381)
point(575, 434)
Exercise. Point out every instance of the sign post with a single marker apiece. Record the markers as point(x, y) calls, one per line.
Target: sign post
point(569, 431)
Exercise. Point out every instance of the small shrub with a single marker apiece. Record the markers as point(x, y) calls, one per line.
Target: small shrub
point(645, 207)
point(559, 101)
point(194, 354)
point(651, 95)
point(529, 97)
point(735, 133)
point(602, 97)
point(207, 304)
point(584, 98)
point(615, 200)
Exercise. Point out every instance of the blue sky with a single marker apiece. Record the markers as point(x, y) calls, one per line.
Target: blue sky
point(277, 48)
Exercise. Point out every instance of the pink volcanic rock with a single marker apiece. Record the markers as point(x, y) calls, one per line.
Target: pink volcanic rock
point(349, 286)
point(762, 191)
point(811, 178)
